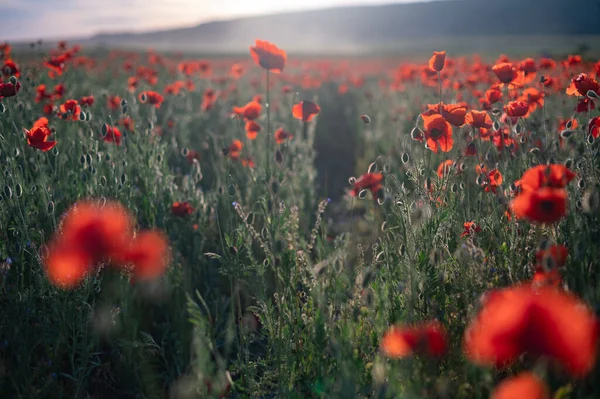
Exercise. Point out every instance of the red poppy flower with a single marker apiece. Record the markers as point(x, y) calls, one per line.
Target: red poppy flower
point(235, 149)
point(438, 133)
point(281, 136)
point(9, 89)
point(305, 111)
point(478, 119)
point(87, 100)
point(553, 175)
point(252, 129)
point(148, 254)
point(546, 205)
point(516, 109)
point(454, 113)
point(437, 60)
point(56, 65)
point(249, 112)
point(151, 97)
point(533, 97)
point(268, 56)
point(525, 385)
point(493, 95)
point(71, 109)
point(444, 168)
point(556, 253)
point(113, 102)
point(506, 72)
point(584, 105)
point(90, 234)
point(594, 127)
point(248, 163)
point(59, 91)
point(470, 228)
point(540, 322)
point(426, 338)
point(113, 135)
point(368, 181)
point(38, 136)
point(181, 209)
point(10, 69)
point(581, 84)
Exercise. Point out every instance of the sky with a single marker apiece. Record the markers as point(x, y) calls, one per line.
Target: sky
point(55, 19)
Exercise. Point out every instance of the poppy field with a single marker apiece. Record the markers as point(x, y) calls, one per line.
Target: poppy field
point(271, 226)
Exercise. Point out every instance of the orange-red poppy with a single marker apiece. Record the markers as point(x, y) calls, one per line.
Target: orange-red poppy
point(546, 205)
point(525, 385)
point(437, 60)
point(541, 321)
point(506, 72)
point(455, 114)
point(181, 209)
point(268, 56)
point(38, 136)
point(426, 339)
point(235, 149)
point(581, 84)
point(438, 133)
point(478, 119)
point(250, 111)
point(10, 69)
point(71, 110)
point(553, 175)
point(87, 101)
point(470, 229)
point(594, 127)
point(151, 97)
point(516, 109)
point(252, 129)
point(148, 254)
point(444, 168)
point(281, 136)
point(368, 181)
point(305, 111)
point(113, 135)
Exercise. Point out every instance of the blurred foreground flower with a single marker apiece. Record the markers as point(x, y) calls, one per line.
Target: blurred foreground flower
point(268, 56)
point(92, 233)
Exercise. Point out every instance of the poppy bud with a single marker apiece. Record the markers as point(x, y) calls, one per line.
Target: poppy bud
point(496, 126)
point(592, 94)
point(278, 157)
point(542, 79)
point(496, 111)
point(372, 168)
point(428, 184)
point(565, 134)
point(352, 180)
point(590, 139)
point(454, 188)
point(7, 191)
point(437, 61)
point(569, 124)
point(581, 184)
point(462, 166)
point(405, 157)
point(591, 201)
point(416, 134)
point(366, 119)
point(518, 129)
point(2, 108)
point(82, 116)
point(231, 190)
point(13, 80)
point(362, 194)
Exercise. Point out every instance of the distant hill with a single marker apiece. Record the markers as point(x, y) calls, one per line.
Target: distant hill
point(373, 27)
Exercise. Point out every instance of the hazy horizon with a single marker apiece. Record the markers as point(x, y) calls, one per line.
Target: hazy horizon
point(42, 19)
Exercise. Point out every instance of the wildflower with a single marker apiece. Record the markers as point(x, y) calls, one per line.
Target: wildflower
point(268, 56)
point(525, 385)
point(9, 89)
point(516, 109)
point(113, 135)
point(506, 72)
point(478, 119)
point(281, 136)
point(437, 60)
point(71, 109)
point(581, 84)
point(540, 322)
point(368, 181)
point(470, 228)
point(38, 136)
point(438, 133)
point(151, 97)
point(181, 209)
point(444, 168)
point(249, 112)
point(305, 111)
point(426, 338)
point(252, 129)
